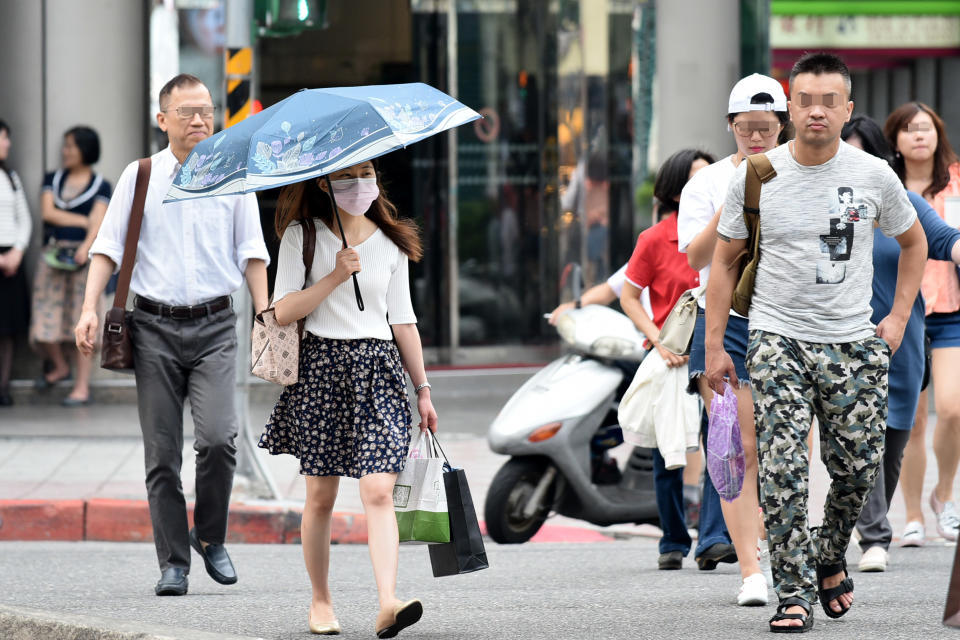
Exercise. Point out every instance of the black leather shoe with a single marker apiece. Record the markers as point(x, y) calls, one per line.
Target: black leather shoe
point(215, 559)
point(670, 561)
point(715, 554)
point(173, 582)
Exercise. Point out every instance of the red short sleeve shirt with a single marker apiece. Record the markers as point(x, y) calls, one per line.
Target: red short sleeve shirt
point(658, 264)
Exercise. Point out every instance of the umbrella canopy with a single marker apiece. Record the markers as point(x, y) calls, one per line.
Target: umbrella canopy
point(312, 133)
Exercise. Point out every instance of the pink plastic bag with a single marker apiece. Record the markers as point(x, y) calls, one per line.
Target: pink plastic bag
point(725, 459)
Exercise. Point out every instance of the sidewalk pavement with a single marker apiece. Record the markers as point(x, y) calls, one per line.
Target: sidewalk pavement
point(77, 474)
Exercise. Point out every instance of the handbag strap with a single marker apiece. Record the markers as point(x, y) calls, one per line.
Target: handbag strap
point(759, 171)
point(309, 248)
point(133, 233)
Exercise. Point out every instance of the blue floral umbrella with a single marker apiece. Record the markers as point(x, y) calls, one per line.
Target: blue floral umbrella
point(313, 133)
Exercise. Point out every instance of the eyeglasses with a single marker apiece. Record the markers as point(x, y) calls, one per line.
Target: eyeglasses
point(829, 100)
point(765, 128)
point(187, 113)
point(918, 126)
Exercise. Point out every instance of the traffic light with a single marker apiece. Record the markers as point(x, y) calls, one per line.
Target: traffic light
point(278, 18)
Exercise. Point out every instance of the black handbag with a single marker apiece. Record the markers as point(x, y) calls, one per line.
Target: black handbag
point(116, 350)
point(465, 552)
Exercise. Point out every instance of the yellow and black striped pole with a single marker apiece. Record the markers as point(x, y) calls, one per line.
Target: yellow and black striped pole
point(238, 68)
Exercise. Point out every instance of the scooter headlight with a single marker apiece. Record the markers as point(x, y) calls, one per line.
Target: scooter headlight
point(612, 347)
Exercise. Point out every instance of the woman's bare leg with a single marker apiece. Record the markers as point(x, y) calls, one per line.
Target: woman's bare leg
point(315, 538)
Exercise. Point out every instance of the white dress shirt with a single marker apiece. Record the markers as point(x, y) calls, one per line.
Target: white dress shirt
point(189, 251)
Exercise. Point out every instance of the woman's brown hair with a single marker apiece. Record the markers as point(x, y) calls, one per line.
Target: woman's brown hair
point(305, 199)
point(943, 157)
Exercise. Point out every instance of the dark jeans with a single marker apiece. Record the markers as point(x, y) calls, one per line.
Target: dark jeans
point(874, 528)
point(175, 360)
point(669, 490)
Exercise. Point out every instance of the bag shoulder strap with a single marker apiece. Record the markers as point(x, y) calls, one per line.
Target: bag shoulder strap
point(759, 171)
point(133, 233)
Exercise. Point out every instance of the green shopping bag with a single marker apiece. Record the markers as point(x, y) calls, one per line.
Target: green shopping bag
point(419, 495)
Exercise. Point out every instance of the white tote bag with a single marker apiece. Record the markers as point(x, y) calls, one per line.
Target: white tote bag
point(419, 497)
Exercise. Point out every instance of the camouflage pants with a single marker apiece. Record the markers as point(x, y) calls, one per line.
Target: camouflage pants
point(843, 386)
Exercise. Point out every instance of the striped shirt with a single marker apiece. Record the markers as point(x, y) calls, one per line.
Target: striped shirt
point(15, 222)
point(384, 284)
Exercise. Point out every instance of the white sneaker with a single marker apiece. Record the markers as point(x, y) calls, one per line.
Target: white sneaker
point(753, 591)
point(947, 519)
point(913, 535)
point(763, 557)
point(874, 559)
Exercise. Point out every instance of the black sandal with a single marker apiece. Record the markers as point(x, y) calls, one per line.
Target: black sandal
point(782, 615)
point(828, 595)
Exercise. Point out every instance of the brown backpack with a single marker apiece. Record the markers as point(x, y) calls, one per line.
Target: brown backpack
point(759, 171)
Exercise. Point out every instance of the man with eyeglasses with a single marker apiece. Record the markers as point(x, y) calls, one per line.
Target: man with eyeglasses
point(190, 257)
point(812, 349)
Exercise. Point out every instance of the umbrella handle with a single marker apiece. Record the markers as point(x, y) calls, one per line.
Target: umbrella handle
point(343, 238)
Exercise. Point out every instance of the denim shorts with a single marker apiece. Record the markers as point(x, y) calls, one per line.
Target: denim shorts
point(734, 342)
point(943, 329)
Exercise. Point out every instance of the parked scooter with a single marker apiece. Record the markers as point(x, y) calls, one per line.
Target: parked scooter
point(558, 428)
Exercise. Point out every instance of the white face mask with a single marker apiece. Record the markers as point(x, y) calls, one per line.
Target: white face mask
point(355, 195)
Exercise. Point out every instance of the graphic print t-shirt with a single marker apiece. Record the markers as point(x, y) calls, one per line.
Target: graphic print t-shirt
point(816, 242)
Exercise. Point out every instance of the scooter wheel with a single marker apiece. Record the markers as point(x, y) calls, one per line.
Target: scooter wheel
point(507, 496)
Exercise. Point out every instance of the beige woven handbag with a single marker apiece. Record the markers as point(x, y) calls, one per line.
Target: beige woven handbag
point(275, 349)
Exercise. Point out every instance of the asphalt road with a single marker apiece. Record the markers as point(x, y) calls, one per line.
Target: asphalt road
point(546, 591)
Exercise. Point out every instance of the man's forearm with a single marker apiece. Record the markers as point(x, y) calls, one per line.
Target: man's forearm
point(256, 276)
point(101, 268)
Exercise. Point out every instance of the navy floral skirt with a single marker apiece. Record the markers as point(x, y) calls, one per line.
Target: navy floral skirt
point(348, 415)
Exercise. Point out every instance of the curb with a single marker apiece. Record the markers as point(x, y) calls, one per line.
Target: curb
point(21, 623)
point(129, 521)
point(106, 520)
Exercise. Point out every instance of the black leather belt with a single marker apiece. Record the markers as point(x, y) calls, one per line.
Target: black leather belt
point(185, 312)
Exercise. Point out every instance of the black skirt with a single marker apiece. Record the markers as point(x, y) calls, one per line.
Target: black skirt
point(348, 415)
point(15, 309)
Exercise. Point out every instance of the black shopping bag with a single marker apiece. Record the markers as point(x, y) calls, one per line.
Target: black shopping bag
point(464, 553)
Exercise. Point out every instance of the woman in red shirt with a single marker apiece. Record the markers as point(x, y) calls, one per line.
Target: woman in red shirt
point(657, 264)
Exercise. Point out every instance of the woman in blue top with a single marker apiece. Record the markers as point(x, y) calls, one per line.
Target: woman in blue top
point(74, 201)
point(907, 364)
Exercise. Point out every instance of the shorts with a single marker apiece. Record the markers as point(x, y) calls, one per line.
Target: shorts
point(734, 342)
point(943, 329)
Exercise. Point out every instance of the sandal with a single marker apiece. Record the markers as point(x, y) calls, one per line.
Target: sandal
point(782, 615)
point(828, 595)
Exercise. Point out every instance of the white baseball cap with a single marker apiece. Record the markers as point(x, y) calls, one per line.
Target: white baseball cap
point(750, 86)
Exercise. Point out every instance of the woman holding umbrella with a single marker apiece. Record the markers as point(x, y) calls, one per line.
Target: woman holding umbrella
point(348, 415)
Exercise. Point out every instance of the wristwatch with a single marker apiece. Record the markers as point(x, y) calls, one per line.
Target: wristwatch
point(422, 385)
point(577, 304)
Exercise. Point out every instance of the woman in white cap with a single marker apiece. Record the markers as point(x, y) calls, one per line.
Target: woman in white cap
point(757, 116)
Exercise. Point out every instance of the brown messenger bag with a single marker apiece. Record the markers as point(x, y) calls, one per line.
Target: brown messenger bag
point(116, 352)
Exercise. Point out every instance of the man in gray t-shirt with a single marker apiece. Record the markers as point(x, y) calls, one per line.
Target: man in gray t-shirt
point(813, 352)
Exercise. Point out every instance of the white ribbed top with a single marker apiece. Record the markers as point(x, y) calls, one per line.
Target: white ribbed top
point(384, 284)
point(15, 222)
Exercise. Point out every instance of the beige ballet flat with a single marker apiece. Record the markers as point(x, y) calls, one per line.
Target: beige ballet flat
point(325, 628)
point(390, 623)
